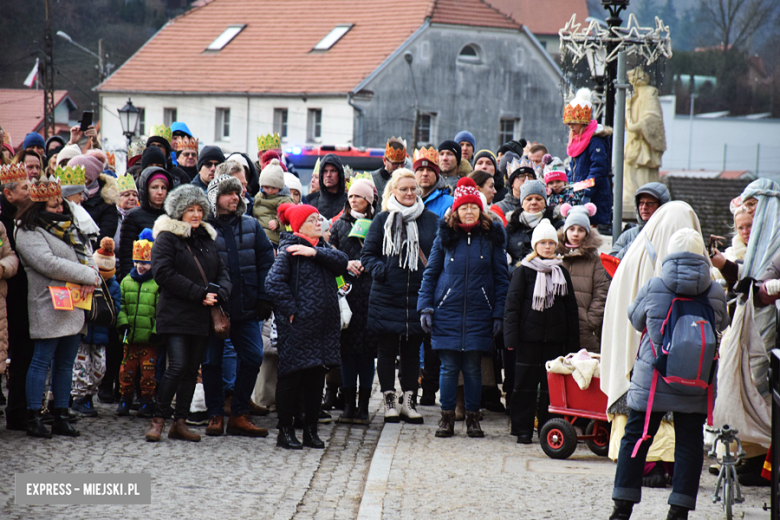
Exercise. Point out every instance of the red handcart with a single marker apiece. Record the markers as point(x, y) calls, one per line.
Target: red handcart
point(558, 436)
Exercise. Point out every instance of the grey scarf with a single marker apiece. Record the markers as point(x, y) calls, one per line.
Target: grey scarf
point(531, 219)
point(401, 235)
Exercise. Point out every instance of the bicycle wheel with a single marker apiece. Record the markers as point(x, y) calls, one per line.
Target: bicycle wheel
point(728, 497)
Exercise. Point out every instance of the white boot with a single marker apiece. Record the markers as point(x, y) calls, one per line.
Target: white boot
point(409, 409)
point(391, 410)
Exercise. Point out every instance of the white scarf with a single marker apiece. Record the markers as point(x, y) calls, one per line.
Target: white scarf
point(550, 281)
point(356, 214)
point(401, 235)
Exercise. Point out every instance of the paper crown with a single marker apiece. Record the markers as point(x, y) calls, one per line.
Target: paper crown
point(161, 131)
point(111, 160)
point(426, 154)
point(186, 143)
point(71, 175)
point(46, 189)
point(13, 173)
point(580, 109)
point(393, 155)
point(135, 149)
point(354, 176)
point(269, 142)
point(126, 183)
point(142, 248)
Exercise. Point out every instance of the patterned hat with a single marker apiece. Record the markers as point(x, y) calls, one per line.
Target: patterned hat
point(268, 142)
point(142, 248)
point(126, 183)
point(45, 189)
point(105, 258)
point(426, 158)
point(161, 131)
point(136, 149)
point(579, 109)
point(395, 155)
point(71, 175)
point(13, 173)
point(466, 192)
point(186, 143)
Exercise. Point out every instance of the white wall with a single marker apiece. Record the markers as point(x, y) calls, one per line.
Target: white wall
point(743, 139)
point(199, 113)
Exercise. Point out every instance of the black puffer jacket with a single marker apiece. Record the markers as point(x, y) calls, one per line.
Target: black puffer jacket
point(305, 287)
point(248, 254)
point(327, 203)
point(557, 327)
point(518, 242)
point(356, 339)
point(102, 208)
point(137, 219)
point(392, 306)
point(180, 308)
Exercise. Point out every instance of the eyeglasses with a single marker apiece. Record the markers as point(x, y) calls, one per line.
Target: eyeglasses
point(407, 190)
point(647, 204)
point(312, 220)
point(212, 164)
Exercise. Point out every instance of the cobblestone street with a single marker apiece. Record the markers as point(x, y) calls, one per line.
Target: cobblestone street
point(368, 472)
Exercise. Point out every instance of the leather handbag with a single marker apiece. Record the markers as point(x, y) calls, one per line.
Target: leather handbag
point(219, 324)
point(103, 312)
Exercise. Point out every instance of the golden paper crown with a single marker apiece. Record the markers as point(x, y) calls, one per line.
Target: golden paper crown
point(13, 173)
point(135, 149)
point(126, 183)
point(269, 142)
point(428, 154)
point(393, 155)
point(44, 190)
point(71, 175)
point(187, 143)
point(111, 159)
point(142, 251)
point(161, 131)
point(577, 114)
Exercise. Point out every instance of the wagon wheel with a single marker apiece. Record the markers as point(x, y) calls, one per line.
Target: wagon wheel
point(599, 445)
point(558, 438)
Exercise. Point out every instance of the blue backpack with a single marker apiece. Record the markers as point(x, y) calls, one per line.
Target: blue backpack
point(687, 358)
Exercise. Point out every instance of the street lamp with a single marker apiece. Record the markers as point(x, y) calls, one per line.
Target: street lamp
point(129, 116)
point(614, 7)
point(99, 55)
point(597, 63)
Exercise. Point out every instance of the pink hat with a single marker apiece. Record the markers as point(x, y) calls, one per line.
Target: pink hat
point(555, 175)
point(92, 166)
point(362, 188)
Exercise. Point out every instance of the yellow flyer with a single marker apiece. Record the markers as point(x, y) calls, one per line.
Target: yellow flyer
point(75, 294)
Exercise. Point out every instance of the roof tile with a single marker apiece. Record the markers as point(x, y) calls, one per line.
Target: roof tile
point(21, 111)
point(542, 17)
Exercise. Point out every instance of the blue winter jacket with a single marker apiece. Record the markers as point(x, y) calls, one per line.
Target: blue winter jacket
point(99, 335)
point(682, 275)
point(465, 284)
point(248, 254)
point(595, 162)
point(439, 201)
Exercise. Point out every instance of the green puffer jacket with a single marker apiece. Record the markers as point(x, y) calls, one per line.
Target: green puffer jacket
point(139, 306)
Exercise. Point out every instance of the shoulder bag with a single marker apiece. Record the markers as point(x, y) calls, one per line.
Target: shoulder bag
point(219, 325)
point(103, 312)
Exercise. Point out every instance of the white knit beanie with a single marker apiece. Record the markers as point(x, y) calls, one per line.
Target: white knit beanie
point(293, 182)
point(272, 175)
point(544, 231)
point(686, 240)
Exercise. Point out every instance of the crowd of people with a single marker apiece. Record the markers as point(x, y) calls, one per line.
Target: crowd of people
point(198, 286)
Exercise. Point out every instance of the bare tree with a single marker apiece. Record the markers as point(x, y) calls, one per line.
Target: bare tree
point(735, 21)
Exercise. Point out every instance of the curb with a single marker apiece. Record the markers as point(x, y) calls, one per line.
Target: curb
point(375, 489)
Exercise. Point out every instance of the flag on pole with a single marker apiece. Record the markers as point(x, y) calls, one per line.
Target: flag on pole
point(32, 75)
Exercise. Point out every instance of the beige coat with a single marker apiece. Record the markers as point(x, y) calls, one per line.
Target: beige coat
point(591, 285)
point(10, 264)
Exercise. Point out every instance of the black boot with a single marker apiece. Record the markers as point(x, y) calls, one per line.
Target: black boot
point(330, 398)
point(62, 424)
point(339, 404)
point(35, 427)
point(677, 513)
point(287, 439)
point(361, 416)
point(349, 405)
point(123, 409)
point(311, 439)
point(622, 510)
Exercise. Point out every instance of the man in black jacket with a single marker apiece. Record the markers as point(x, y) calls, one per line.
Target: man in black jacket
point(15, 196)
point(247, 253)
point(395, 157)
point(332, 197)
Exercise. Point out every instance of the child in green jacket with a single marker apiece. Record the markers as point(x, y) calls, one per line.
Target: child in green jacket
point(137, 328)
point(268, 200)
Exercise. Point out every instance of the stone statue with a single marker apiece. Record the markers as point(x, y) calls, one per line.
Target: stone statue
point(645, 138)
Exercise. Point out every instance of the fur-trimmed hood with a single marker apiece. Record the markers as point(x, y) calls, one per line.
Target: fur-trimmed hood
point(110, 189)
point(179, 228)
point(603, 131)
point(186, 195)
point(449, 237)
point(589, 248)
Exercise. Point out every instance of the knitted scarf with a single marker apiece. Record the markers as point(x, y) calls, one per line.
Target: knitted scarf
point(531, 219)
point(550, 281)
point(400, 232)
point(64, 229)
point(578, 143)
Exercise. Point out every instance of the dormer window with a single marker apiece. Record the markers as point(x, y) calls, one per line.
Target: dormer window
point(225, 38)
point(470, 54)
point(332, 37)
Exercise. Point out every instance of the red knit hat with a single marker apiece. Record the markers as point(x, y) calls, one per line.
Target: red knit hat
point(295, 215)
point(267, 157)
point(466, 192)
point(555, 175)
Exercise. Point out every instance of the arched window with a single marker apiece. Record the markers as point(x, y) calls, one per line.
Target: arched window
point(470, 54)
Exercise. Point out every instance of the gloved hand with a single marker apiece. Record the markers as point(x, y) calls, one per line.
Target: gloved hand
point(498, 326)
point(264, 310)
point(772, 287)
point(743, 286)
point(426, 320)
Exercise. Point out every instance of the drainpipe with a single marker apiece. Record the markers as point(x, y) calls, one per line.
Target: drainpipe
point(361, 114)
